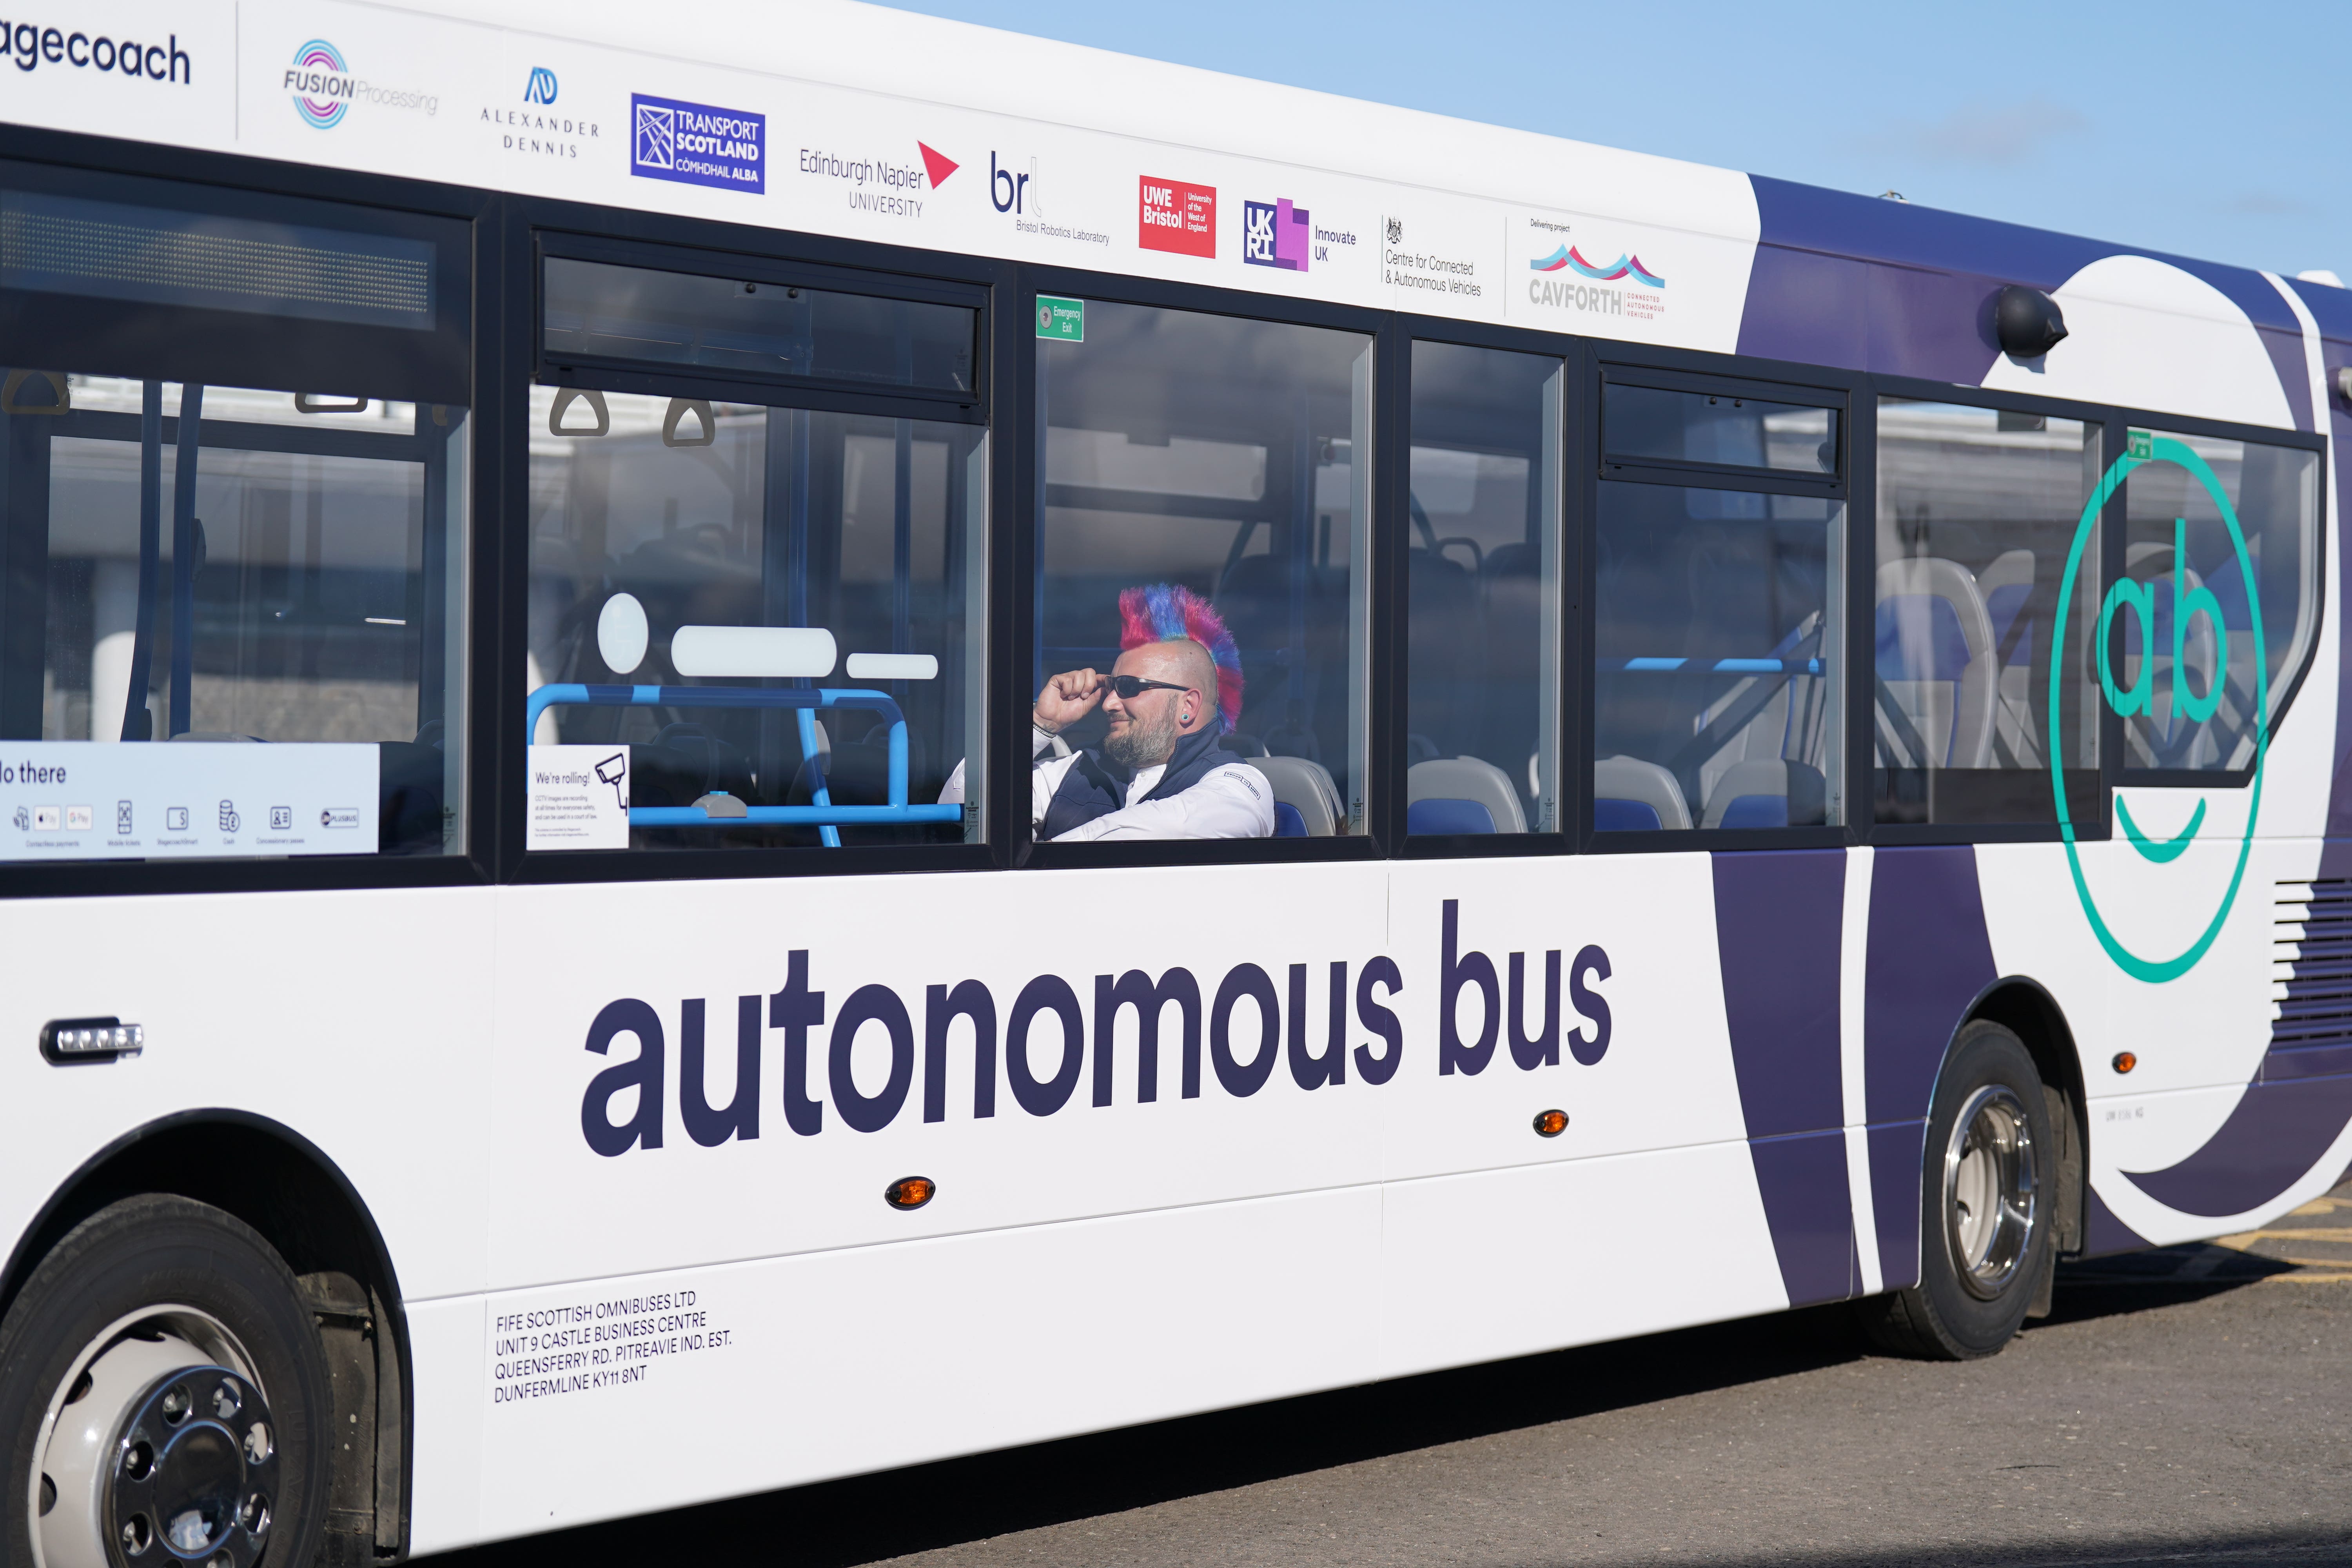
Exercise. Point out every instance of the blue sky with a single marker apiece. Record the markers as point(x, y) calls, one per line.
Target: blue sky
point(2213, 131)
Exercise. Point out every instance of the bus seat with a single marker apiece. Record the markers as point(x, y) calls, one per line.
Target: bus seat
point(1763, 793)
point(1459, 792)
point(1287, 822)
point(1630, 795)
point(2006, 584)
point(1307, 789)
point(1934, 638)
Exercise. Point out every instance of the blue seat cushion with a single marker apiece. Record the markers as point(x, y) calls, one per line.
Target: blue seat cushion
point(1756, 810)
point(1625, 816)
point(1445, 816)
point(1287, 822)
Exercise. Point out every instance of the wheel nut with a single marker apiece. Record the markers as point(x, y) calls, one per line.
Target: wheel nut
point(225, 1402)
point(255, 1516)
point(137, 1460)
point(176, 1405)
point(136, 1534)
point(257, 1443)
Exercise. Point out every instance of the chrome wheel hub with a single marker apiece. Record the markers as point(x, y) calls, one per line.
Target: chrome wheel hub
point(158, 1451)
point(1991, 1191)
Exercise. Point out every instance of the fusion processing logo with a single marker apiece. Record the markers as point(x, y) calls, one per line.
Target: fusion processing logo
point(541, 88)
point(2132, 608)
point(321, 86)
point(1624, 269)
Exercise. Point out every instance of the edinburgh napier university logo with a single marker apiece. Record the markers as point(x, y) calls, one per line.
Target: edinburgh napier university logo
point(1176, 216)
point(697, 144)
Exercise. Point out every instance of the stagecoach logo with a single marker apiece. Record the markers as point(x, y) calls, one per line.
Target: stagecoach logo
point(695, 145)
point(30, 45)
point(323, 89)
point(530, 134)
point(2131, 608)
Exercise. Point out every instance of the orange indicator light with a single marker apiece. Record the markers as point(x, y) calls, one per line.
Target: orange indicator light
point(1550, 1123)
point(911, 1192)
point(2125, 1061)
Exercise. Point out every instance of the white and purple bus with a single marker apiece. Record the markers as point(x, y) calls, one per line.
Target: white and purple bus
point(992, 742)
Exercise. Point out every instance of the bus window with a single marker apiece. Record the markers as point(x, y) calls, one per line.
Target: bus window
point(1719, 638)
point(1482, 578)
point(752, 624)
point(1205, 481)
point(2186, 650)
point(1979, 511)
point(235, 451)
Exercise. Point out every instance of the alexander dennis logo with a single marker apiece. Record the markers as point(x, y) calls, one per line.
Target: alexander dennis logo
point(321, 86)
point(541, 88)
point(2133, 608)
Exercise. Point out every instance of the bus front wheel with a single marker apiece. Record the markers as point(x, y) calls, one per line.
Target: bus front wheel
point(164, 1397)
point(1985, 1230)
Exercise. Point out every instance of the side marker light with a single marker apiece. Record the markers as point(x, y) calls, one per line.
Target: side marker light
point(911, 1192)
point(1550, 1123)
point(2125, 1061)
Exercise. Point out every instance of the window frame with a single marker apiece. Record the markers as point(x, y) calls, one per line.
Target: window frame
point(1394, 545)
point(1383, 663)
point(2292, 678)
point(243, 186)
point(642, 238)
point(1685, 370)
point(2097, 827)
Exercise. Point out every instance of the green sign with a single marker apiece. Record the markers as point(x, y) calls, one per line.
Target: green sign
point(1064, 320)
point(2136, 602)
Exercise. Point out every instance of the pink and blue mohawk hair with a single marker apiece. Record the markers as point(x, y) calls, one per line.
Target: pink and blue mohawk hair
point(1167, 611)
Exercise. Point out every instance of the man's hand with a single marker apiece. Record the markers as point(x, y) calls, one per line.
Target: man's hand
point(1068, 698)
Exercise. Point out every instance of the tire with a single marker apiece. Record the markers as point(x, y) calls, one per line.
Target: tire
point(1981, 1262)
point(184, 1326)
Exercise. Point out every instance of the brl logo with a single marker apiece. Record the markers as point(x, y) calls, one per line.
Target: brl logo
point(2137, 605)
point(541, 88)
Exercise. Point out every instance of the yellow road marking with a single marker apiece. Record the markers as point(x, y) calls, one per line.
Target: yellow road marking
point(2310, 1233)
point(2321, 1206)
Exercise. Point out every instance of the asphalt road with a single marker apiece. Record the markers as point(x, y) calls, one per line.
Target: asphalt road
point(2193, 1404)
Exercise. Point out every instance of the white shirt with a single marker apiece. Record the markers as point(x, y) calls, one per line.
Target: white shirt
point(1234, 801)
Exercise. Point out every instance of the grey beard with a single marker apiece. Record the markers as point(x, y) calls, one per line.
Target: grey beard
point(1145, 744)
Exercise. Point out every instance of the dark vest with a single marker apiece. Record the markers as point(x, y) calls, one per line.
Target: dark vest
point(1096, 786)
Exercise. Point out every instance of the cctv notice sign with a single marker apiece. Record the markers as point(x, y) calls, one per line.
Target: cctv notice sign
point(579, 797)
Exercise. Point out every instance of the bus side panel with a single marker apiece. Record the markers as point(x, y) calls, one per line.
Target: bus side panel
point(791, 1370)
point(358, 1020)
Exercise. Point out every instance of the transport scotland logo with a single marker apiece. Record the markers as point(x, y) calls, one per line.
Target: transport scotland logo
point(697, 144)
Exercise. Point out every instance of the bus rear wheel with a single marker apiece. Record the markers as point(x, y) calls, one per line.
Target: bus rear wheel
point(162, 1398)
point(1985, 1224)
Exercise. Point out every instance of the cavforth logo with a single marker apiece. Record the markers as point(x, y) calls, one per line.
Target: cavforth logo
point(1624, 267)
point(541, 88)
point(2141, 628)
point(322, 89)
point(697, 144)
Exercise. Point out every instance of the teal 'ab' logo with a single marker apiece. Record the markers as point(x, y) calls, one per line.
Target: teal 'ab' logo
point(2140, 600)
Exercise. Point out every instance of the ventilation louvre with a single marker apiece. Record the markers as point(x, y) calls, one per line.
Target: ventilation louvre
point(2311, 970)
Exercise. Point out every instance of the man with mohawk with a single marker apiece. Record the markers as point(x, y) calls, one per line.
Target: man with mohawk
point(1175, 692)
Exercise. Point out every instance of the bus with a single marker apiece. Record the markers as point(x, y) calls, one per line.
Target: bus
point(962, 740)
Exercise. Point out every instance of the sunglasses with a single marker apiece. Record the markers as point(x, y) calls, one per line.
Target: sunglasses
point(1131, 687)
